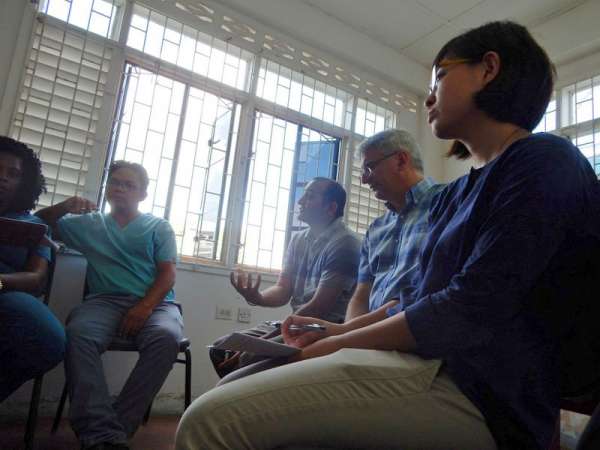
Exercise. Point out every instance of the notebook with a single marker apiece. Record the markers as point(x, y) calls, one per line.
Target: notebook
point(20, 233)
point(262, 347)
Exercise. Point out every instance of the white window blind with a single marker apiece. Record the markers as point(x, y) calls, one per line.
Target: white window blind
point(58, 108)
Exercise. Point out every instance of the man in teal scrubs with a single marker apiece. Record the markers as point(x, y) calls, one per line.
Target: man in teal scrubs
point(130, 277)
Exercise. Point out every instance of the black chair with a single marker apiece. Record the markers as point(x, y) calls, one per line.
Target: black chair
point(37, 384)
point(128, 346)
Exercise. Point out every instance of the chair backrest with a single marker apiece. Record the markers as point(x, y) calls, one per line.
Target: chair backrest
point(54, 249)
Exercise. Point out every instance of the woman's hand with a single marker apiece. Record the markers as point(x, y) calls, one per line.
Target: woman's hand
point(322, 347)
point(301, 338)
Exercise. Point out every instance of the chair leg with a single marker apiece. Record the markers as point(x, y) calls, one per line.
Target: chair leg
point(147, 415)
point(59, 411)
point(33, 412)
point(188, 378)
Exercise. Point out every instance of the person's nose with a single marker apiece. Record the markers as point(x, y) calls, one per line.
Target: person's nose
point(365, 176)
point(430, 99)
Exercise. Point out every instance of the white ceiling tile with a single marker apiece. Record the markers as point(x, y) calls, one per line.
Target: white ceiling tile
point(449, 9)
point(424, 50)
point(528, 12)
point(396, 23)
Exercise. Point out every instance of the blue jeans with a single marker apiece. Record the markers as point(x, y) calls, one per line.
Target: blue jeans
point(91, 327)
point(32, 340)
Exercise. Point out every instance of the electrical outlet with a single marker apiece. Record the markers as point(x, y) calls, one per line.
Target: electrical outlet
point(244, 315)
point(224, 313)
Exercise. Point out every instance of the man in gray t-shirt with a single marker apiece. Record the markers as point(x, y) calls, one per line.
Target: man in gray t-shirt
point(319, 269)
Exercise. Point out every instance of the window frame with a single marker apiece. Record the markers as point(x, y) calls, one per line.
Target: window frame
point(249, 103)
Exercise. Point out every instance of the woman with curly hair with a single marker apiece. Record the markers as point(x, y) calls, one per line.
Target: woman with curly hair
point(32, 340)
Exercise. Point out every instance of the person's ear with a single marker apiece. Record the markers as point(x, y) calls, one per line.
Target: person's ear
point(402, 159)
point(332, 209)
point(491, 64)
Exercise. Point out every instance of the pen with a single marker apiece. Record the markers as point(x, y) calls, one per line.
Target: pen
point(306, 327)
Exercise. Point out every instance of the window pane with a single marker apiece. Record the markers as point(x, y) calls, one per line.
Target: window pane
point(285, 157)
point(548, 121)
point(97, 16)
point(169, 40)
point(147, 133)
point(371, 119)
point(294, 90)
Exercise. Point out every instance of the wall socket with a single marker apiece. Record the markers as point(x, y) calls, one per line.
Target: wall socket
point(224, 313)
point(244, 315)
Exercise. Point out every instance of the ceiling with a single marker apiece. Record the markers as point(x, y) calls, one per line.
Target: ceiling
point(418, 28)
point(399, 38)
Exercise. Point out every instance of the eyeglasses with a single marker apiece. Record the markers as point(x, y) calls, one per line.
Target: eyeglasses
point(443, 64)
point(369, 167)
point(125, 185)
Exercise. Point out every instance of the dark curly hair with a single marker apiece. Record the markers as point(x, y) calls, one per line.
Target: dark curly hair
point(33, 183)
point(522, 89)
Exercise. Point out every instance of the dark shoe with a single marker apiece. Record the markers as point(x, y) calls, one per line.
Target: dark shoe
point(107, 446)
point(116, 447)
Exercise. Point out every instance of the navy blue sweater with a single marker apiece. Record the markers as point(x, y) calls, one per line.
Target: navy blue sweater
point(495, 234)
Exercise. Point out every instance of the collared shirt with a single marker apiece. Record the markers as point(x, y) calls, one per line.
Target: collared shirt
point(389, 256)
point(121, 260)
point(329, 259)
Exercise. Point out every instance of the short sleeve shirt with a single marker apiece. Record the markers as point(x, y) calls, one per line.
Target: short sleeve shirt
point(389, 257)
point(330, 259)
point(121, 260)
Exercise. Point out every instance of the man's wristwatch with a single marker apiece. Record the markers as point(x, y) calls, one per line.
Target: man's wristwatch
point(1, 284)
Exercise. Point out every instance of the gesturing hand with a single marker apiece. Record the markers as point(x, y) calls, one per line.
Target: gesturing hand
point(243, 284)
point(78, 205)
point(134, 320)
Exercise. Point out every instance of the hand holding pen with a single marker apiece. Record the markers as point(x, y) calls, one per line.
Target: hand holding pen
point(300, 331)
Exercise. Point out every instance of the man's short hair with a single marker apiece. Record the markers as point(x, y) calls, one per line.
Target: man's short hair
point(334, 192)
point(137, 168)
point(394, 141)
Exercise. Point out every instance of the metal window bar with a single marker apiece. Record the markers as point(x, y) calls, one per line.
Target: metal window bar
point(282, 162)
point(188, 168)
point(100, 17)
point(183, 46)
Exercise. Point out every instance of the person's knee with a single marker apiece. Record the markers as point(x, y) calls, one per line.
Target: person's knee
point(195, 429)
point(53, 345)
point(162, 339)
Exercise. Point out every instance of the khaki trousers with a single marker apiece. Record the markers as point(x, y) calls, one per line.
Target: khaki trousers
point(352, 399)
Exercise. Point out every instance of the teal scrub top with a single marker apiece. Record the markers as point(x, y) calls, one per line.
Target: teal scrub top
point(121, 260)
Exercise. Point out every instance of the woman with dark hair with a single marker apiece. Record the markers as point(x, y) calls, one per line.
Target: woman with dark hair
point(470, 358)
point(32, 340)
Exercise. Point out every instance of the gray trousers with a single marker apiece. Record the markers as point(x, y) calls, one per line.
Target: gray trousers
point(91, 327)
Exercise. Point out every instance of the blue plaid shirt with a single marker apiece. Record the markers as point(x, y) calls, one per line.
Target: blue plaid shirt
point(390, 250)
